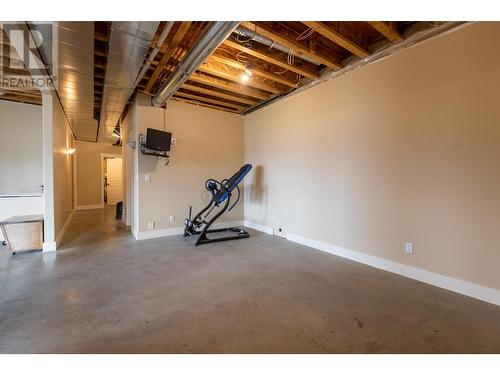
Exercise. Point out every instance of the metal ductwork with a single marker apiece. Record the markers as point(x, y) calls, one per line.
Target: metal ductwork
point(250, 35)
point(154, 52)
point(75, 83)
point(128, 45)
point(211, 39)
point(70, 52)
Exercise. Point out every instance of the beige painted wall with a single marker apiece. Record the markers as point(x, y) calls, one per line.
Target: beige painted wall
point(21, 148)
point(406, 149)
point(88, 171)
point(62, 138)
point(129, 163)
point(209, 145)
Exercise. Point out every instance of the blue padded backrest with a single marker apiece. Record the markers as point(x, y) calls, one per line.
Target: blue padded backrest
point(232, 182)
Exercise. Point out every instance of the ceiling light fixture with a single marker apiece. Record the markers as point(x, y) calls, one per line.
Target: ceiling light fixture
point(246, 75)
point(70, 151)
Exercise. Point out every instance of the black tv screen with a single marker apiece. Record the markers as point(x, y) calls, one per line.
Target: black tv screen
point(158, 140)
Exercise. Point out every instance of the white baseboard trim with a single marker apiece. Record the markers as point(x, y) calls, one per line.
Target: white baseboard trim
point(89, 207)
point(259, 227)
point(459, 286)
point(158, 233)
point(49, 246)
point(63, 230)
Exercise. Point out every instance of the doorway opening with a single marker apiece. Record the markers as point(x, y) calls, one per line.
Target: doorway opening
point(111, 179)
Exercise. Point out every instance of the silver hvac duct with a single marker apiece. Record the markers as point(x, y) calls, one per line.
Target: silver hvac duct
point(68, 49)
point(250, 35)
point(154, 52)
point(75, 77)
point(128, 45)
point(211, 39)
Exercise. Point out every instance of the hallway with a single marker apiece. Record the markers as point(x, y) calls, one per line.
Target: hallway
point(104, 292)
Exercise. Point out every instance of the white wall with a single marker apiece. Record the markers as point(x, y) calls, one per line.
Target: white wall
point(129, 164)
point(20, 148)
point(58, 172)
point(406, 149)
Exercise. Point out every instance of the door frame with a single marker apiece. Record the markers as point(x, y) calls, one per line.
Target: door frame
point(103, 156)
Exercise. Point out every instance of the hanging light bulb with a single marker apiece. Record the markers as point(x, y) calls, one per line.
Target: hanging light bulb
point(246, 75)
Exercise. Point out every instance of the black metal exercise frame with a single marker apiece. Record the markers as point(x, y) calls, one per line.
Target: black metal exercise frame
point(221, 191)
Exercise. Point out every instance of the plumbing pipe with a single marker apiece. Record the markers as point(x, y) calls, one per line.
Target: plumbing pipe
point(211, 39)
point(154, 52)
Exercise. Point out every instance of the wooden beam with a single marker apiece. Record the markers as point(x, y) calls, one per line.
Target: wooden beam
point(232, 74)
point(229, 86)
point(337, 38)
point(98, 64)
point(172, 46)
point(388, 30)
point(101, 37)
point(218, 94)
point(255, 70)
point(100, 53)
point(209, 100)
point(265, 55)
point(31, 93)
point(291, 42)
point(179, 99)
point(21, 98)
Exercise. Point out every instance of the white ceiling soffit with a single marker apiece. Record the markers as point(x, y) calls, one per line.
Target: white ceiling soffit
point(128, 45)
point(74, 74)
point(75, 83)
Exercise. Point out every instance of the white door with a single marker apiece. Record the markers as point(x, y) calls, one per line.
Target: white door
point(114, 172)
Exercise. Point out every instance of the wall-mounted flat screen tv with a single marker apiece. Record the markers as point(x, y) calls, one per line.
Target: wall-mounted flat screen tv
point(158, 140)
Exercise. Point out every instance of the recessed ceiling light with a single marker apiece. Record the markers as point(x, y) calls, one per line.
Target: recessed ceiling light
point(245, 77)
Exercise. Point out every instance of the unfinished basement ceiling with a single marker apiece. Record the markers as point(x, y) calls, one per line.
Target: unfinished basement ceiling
point(11, 65)
point(75, 76)
point(128, 45)
point(257, 63)
point(261, 61)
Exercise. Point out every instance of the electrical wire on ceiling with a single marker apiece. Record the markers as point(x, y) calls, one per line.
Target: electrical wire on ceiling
point(291, 57)
point(243, 58)
point(306, 34)
point(240, 33)
point(299, 79)
point(282, 72)
point(226, 51)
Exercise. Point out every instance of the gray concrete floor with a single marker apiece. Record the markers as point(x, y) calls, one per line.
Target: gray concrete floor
point(104, 292)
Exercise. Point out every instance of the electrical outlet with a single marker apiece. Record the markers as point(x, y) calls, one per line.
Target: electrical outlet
point(147, 177)
point(409, 247)
point(172, 218)
point(151, 225)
